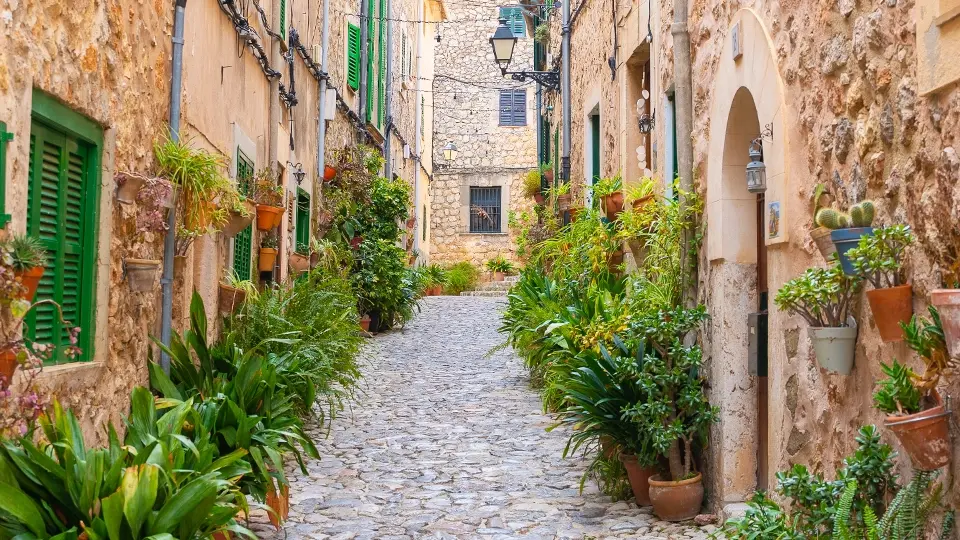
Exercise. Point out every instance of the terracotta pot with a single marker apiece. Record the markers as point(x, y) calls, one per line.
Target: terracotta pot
point(608, 447)
point(411, 222)
point(268, 258)
point(231, 298)
point(821, 237)
point(548, 174)
point(268, 217)
point(365, 323)
point(574, 213)
point(203, 216)
point(238, 222)
point(890, 307)
point(563, 201)
point(355, 242)
point(314, 259)
point(499, 276)
point(30, 280)
point(221, 535)
point(925, 436)
point(612, 204)
point(639, 478)
point(676, 501)
point(299, 262)
point(438, 290)
point(539, 198)
point(128, 190)
point(141, 274)
point(329, 173)
point(638, 204)
point(8, 366)
point(947, 302)
point(279, 503)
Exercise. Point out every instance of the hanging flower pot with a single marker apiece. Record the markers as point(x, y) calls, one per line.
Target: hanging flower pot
point(639, 204)
point(268, 258)
point(676, 501)
point(299, 262)
point(30, 280)
point(279, 505)
point(575, 213)
point(128, 186)
point(835, 347)
point(203, 217)
point(141, 274)
point(612, 204)
point(8, 366)
point(890, 307)
point(548, 174)
point(231, 298)
point(925, 436)
point(845, 240)
point(365, 323)
point(314, 259)
point(947, 302)
point(268, 217)
point(539, 198)
point(238, 221)
point(411, 223)
point(821, 237)
point(563, 201)
point(355, 242)
point(329, 173)
point(639, 478)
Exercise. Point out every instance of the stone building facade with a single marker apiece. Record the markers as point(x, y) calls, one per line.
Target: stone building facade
point(491, 121)
point(98, 78)
point(857, 97)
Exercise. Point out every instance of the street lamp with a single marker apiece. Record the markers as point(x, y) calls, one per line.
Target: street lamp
point(450, 151)
point(297, 171)
point(503, 42)
point(756, 170)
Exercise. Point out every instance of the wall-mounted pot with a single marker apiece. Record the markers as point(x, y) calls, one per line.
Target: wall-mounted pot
point(947, 302)
point(835, 347)
point(925, 436)
point(845, 240)
point(141, 274)
point(890, 307)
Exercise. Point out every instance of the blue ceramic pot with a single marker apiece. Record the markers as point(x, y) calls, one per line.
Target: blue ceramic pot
point(845, 240)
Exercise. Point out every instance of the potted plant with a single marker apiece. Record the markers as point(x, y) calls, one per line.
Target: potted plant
point(299, 262)
point(141, 274)
point(436, 279)
point(268, 195)
point(561, 192)
point(847, 228)
point(532, 186)
point(947, 302)
point(821, 234)
point(240, 213)
point(609, 191)
point(365, 322)
point(640, 194)
point(499, 267)
point(268, 252)
point(822, 296)
point(234, 291)
point(878, 258)
point(329, 173)
point(128, 186)
point(27, 256)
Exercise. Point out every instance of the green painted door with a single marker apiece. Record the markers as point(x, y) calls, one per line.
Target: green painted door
point(595, 147)
point(242, 242)
point(303, 222)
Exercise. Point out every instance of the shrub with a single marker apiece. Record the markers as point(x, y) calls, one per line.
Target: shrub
point(462, 276)
point(878, 258)
point(822, 296)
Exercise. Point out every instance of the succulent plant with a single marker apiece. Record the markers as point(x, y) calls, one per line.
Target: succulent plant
point(832, 219)
point(861, 215)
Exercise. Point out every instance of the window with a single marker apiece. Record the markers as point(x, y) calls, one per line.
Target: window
point(62, 211)
point(243, 241)
point(404, 56)
point(484, 209)
point(514, 17)
point(303, 221)
point(513, 107)
point(5, 137)
point(376, 61)
point(353, 56)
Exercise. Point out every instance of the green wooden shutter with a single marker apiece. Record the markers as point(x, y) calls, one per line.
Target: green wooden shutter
point(283, 18)
point(303, 221)
point(5, 137)
point(242, 242)
point(515, 22)
point(353, 56)
point(382, 61)
point(371, 58)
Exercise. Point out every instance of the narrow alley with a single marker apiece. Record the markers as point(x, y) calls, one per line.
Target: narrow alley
point(448, 442)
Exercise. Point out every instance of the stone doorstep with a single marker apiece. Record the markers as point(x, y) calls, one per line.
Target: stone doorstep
point(491, 294)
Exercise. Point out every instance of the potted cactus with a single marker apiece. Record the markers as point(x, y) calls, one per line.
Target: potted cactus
point(878, 259)
point(821, 234)
point(846, 228)
point(822, 296)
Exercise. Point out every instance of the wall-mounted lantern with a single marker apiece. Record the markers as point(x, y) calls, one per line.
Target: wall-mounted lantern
point(645, 121)
point(450, 151)
point(297, 171)
point(756, 169)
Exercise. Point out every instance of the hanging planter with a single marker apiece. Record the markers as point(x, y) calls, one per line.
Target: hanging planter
point(847, 228)
point(639, 477)
point(267, 259)
point(879, 258)
point(539, 198)
point(128, 186)
point(268, 216)
point(238, 221)
point(231, 298)
point(279, 505)
point(575, 213)
point(141, 274)
point(676, 501)
point(612, 204)
point(835, 347)
point(329, 173)
point(639, 204)
point(925, 436)
point(30, 280)
point(821, 237)
point(299, 262)
point(563, 201)
point(891, 306)
point(8, 367)
point(947, 302)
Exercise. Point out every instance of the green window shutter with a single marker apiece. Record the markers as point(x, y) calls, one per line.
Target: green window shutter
point(353, 56)
point(303, 222)
point(515, 22)
point(244, 239)
point(371, 58)
point(5, 137)
point(60, 199)
point(283, 18)
point(382, 62)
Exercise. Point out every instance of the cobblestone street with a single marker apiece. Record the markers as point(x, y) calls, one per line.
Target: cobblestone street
point(449, 443)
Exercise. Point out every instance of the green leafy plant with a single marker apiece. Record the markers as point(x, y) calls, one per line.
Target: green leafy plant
point(23, 252)
point(266, 187)
point(247, 286)
point(925, 337)
point(607, 186)
point(859, 215)
point(879, 257)
point(542, 34)
point(822, 296)
point(641, 190)
point(462, 276)
point(898, 393)
point(436, 275)
point(500, 264)
point(199, 175)
point(269, 240)
point(908, 517)
point(532, 183)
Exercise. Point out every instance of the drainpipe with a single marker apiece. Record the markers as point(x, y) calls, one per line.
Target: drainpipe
point(364, 59)
point(166, 281)
point(565, 89)
point(322, 127)
point(417, 127)
point(684, 125)
point(274, 116)
point(388, 98)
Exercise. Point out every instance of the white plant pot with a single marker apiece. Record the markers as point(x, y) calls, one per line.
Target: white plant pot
point(835, 347)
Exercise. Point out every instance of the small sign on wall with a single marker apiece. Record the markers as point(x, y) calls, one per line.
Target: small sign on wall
point(773, 220)
point(736, 38)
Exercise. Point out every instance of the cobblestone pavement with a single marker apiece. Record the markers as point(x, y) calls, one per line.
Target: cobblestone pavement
point(450, 443)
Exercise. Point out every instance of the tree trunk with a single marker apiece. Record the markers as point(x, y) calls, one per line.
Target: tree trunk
point(676, 461)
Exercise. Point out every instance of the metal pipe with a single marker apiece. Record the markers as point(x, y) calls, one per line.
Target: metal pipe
point(364, 59)
point(565, 88)
point(684, 126)
point(417, 128)
point(388, 96)
point(322, 127)
point(169, 241)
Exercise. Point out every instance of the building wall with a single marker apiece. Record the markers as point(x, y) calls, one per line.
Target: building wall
point(466, 88)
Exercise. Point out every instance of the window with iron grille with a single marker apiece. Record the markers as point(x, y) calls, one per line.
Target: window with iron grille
point(513, 107)
point(485, 211)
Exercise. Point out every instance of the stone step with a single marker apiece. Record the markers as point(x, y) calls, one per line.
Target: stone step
point(495, 286)
point(487, 294)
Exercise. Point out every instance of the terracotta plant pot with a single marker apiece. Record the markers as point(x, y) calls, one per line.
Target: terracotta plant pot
point(639, 479)
point(299, 262)
point(203, 216)
point(845, 240)
point(821, 237)
point(8, 366)
point(548, 174)
point(411, 223)
point(221, 535)
point(128, 189)
point(890, 307)
point(279, 503)
point(638, 204)
point(608, 447)
point(31, 280)
point(563, 201)
point(231, 298)
point(355, 242)
point(438, 290)
point(329, 173)
point(268, 257)
point(238, 222)
point(268, 217)
point(925, 436)
point(314, 259)
point(539, 198)
point(141, 274)
point(365, 323)
point(947, 302)
point(498, 276)
point(575, 213)
point(676, 501)
point(835, 347)
point(612, 204)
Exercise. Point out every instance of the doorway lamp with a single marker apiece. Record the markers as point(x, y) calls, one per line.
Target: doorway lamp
point(450, 151)
point(756, 169)
point(503, 42)
point(297, 171)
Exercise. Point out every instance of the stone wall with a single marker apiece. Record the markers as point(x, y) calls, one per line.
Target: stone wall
point(466, 89)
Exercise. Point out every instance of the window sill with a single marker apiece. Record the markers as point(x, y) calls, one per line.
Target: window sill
point(485, 234)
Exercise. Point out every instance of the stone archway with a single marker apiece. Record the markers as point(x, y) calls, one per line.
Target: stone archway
point(747, 97)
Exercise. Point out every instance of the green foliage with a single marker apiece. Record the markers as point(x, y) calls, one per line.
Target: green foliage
point(859, 215)
point(382, 281)
point(926, 338)
point(878, 257)
point(542, 34)
point(23, 252)
point(822, 296)
point(607, 186)
point(269, 240)
point(610, 476)
point(532, 183)
point(436, 275)
point(199, 175)
point(462, 276)
point(640, 190)
point(500, 264)
point(266, 188)
point(897, 393)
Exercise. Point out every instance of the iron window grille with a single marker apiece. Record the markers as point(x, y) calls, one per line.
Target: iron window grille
point(485, 209)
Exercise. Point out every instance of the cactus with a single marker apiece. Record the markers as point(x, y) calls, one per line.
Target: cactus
point(866, 211)
point(832, 219)
point(861, 215)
